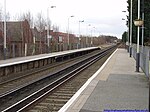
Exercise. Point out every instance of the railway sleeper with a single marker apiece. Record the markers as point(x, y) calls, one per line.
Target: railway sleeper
point(61, 97)
point(71, 92)
point(67, 94)
point(55, 100)
point(45, 104)
point(68, 89)
point(48, 108)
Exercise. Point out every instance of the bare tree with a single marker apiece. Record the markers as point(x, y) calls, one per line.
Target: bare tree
point(1, 14)
point(55, 28)
point(8, 16)
point(26, 16)
point(1, 28)
point(17, 17)
point(40, 23)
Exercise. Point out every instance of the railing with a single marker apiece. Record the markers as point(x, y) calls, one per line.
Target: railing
point(144, 58)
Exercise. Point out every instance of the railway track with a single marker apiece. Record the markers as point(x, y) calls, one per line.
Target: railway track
point(44, 86)
point(25, 78)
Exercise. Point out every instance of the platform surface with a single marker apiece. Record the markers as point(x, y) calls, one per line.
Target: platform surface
point(25, 59)
point(116, 87)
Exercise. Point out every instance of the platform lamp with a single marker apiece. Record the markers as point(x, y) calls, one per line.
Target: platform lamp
point(128, 36)
point(138, 22)
point(80, 33)
point(131, 11)
point(68, 33)
point(48, 28)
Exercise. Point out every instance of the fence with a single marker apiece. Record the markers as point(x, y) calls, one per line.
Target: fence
point(28, 49)
point(19, 50)
point(144, 58)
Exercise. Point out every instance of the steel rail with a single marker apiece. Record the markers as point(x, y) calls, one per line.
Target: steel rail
point(29, 73)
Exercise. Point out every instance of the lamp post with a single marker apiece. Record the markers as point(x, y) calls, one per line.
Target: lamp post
point(80, 33)
point(143, 24)
point(128, 35)
point(87, 34)
point(91, 36)
point(5, 48)
point(48, 28)
point(130, 49)
point(94, 28)
point(68, 33)
point(138, 22)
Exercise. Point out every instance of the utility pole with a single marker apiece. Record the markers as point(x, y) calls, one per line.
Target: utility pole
point(68, 34)
point(80, 34)
point(131, 28)
point(5, 30)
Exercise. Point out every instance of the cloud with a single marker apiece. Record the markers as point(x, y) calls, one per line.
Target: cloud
point(104, 15)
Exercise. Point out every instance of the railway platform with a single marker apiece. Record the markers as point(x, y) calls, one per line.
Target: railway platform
point(115, 86)
point(11, 67)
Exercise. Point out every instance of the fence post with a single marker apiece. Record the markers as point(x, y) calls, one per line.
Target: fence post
point(149, 77)
point(25, 49)
point(14, 52)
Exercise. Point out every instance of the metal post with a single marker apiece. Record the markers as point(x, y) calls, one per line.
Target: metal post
point(128, 35)
point(5, 30)
point(25, 49)
point(130, 30)
point(47, 30)
point(128, 40)
point(86, 36)
point(91, 39)
point(80, 34)
point(142, 31)
point(34, 43)
point(14, 51)
point(149, 95)
point(88, 30)
point(86, 41)
point(138, 36)
point(68, 36)
point(143, 24)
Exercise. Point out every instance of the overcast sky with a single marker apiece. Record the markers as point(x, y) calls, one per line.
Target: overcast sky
point(104, 16)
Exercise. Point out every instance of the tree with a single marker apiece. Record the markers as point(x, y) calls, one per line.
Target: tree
point(147, 20)
point(55, 28)
point(40, 24)
point(25, 16)
point(28, 16)
point(0, 14)
point(145, 7)
point(1, 29)
point(124, 37)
